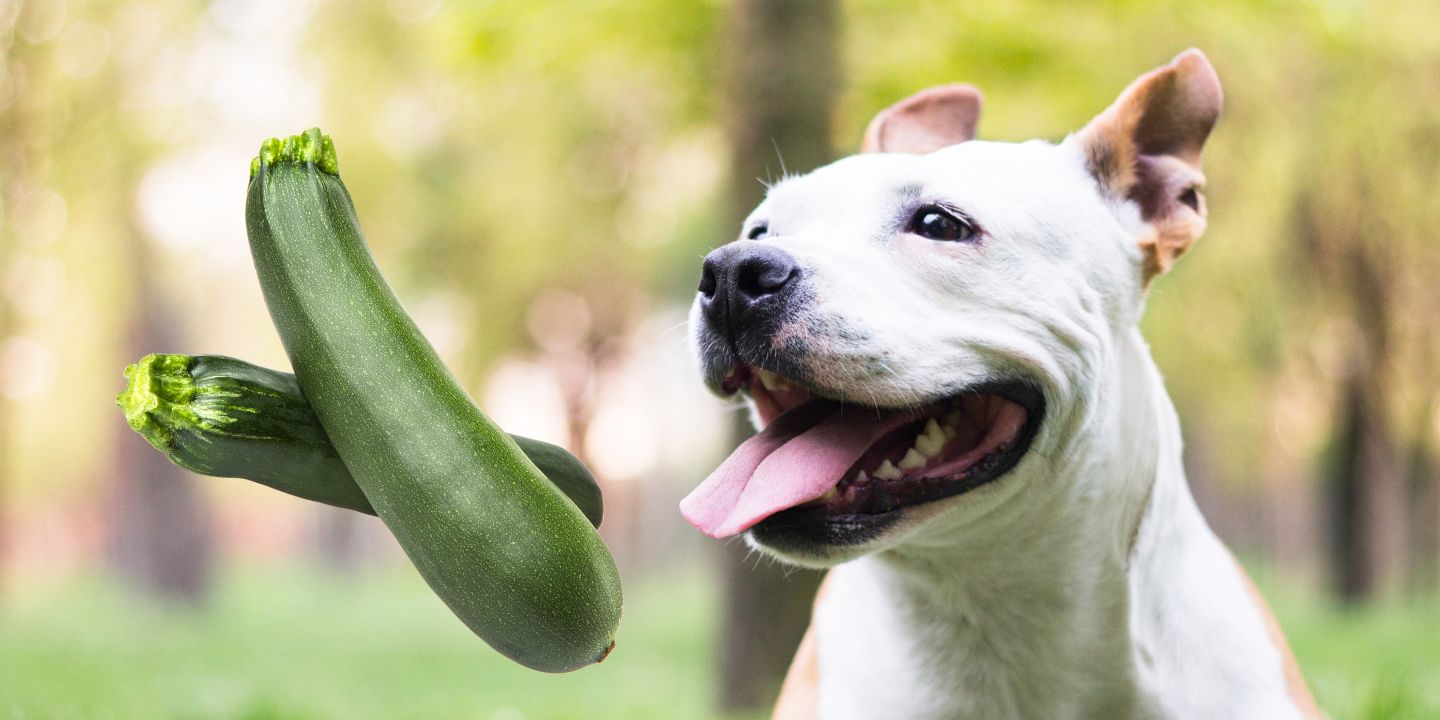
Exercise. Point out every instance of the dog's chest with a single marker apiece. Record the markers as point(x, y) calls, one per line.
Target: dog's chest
point(880, 658)
point(867, 669)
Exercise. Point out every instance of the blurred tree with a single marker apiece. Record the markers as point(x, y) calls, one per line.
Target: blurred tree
point(9, 153)
point(1364, 523)
point(12, 160)
point(161, 537)
point(1365, 259)
point(1364, 484)
point(69, 136)
point(1424, 507)
point(781, 85)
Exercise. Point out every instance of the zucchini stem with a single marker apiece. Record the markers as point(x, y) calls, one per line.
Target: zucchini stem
point(310, 147)
point(157, 395)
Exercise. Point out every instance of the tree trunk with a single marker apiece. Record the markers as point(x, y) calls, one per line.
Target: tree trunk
point(160, 529)
point(1368, 529)
point(6, 443)
point(13, 143)
point(1351, 574)
point(1424, 520)
point(6, 448)
point(160, 536)
point(782, 78)
point(1357, 273)
point(767, 608)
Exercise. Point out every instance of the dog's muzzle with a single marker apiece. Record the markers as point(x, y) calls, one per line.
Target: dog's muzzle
point(827, 470)
point(744, 288)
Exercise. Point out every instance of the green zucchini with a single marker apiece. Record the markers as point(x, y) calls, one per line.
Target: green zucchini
point(225, 417)
point(513, 559)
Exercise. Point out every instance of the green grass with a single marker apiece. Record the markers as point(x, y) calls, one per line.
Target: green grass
point(296, 645)
point(1372, 663)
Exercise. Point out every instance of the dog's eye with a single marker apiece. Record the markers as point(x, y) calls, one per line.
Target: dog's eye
point(937, 223)
point(758, 232)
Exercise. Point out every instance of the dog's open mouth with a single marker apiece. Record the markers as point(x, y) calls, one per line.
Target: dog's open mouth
point(822, 460)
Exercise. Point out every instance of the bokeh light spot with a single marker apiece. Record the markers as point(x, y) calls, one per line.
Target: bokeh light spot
point(27, 367)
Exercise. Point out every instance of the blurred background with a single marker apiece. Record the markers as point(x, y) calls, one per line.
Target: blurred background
point(539, 181)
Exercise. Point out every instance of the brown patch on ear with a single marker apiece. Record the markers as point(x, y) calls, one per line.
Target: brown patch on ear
point(1168, 193)
point(926, 121)
point(1146, 148)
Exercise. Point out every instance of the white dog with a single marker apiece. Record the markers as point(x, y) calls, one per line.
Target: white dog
point(938, 338)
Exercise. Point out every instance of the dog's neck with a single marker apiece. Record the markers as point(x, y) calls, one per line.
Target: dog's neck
point(1032, 614)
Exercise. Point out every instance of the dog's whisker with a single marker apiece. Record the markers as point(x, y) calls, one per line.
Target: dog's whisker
point(683, 323)
point(784, 171)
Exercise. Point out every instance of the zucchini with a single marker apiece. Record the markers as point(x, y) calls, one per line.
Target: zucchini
point(225, 417)
point(513, 559)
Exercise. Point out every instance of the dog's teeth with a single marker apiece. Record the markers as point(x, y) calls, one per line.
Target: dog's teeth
point(931, 441)
point(949, 430)
point(952, 418)
point(886, 471)
point(773, 382)
point(861, 478)
point(912, 460)
point(830, 494)
point(929, 446)
point(769, 379)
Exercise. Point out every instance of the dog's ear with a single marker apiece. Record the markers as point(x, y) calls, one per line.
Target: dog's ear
point(1146, 148)
point(926, 121)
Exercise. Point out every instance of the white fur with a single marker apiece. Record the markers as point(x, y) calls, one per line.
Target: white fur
point(1084, 583)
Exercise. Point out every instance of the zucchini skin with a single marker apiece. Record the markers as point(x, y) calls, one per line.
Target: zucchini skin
point(511, 558)
point(222, 416)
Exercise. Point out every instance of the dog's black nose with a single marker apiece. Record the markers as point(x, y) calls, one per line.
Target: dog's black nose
point(743, 279)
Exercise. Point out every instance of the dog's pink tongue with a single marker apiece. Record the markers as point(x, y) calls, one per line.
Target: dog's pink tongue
point(796, 459)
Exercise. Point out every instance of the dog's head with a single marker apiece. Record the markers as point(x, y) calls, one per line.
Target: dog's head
point(916, 326)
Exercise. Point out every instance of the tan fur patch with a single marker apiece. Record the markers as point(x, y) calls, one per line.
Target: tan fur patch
point(1169, 239)
point(1295, 684)
point(1111, 158)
